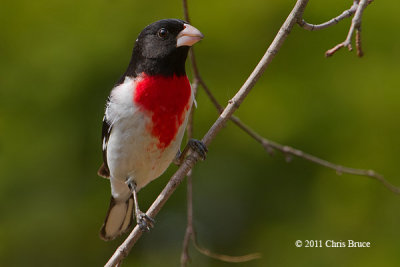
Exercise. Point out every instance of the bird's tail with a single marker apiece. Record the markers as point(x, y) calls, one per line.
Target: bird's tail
point(118, 219)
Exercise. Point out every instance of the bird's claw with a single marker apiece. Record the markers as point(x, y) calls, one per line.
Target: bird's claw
point(199, 147)
point(144, 221)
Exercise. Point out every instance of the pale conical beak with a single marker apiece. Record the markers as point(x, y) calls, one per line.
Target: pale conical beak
point(188, 36)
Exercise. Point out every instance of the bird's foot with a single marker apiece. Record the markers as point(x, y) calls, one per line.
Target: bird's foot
point(195, 145)
point(199, 147)
point(179, 157)
point(144, 221)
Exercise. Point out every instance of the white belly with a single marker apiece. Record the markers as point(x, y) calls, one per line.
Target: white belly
point(132, 150)
point(133, 153)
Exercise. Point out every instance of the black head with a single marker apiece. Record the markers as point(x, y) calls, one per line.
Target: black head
point(162, 48)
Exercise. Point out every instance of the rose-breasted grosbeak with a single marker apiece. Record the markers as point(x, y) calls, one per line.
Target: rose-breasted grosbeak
point(145, 118)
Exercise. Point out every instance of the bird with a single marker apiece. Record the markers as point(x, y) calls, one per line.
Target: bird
point(145, 118)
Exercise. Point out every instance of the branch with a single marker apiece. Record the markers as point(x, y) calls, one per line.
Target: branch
point(232, 106)
point(315, 27)
point(355, 26)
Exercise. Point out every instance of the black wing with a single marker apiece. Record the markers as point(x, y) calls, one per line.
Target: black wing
point(104, 171)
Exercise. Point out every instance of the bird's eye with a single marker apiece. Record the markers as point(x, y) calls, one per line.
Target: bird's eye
point(162, 33)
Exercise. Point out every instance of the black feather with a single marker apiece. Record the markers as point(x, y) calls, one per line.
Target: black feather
point(106, 131)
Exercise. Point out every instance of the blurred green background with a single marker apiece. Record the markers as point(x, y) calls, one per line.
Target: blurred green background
point(58, 62)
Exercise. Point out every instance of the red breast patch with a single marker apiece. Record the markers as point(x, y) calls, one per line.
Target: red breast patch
point(167, 99)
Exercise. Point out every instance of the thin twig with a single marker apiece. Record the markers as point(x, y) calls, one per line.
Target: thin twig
point(185, 258)
point(189, 193)
point(190, 161)
point(226, 258)
point(287, 150)
point(355, 26)
point(360, 53)
point(315, 27)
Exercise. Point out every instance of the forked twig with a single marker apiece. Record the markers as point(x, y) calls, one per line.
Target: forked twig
point(354, 27)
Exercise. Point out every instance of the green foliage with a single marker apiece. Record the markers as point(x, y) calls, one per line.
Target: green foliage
point(59, 60)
